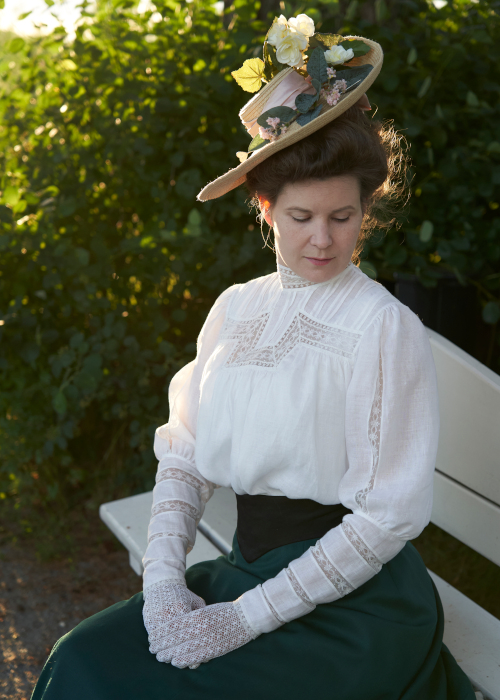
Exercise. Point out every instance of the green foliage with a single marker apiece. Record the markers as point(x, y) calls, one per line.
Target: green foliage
point(109, 264)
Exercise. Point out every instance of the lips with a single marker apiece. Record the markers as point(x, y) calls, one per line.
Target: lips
point(319, 261)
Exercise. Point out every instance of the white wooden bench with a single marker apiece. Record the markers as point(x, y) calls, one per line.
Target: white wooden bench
point(466, 505)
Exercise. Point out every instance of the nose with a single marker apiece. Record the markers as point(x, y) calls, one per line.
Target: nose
point(321, 237)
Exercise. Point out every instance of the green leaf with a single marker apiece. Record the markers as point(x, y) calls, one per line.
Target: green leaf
point(68, 64)
point(83, 256)
point(16, 45)
point(491, 312)
point(284, 114)
point(354, 76)
point(67, 206)
point(412, 56)
point(93, 364)
point(425, 86)
point(359, 47)
point(471, 99)
point(23, 16)
point(11, 195)
point(317, 65)
point(304, 101)
point(59, 403)
point(351, 10)
point(257, 142)
point(271, 64)
point(426, 231)
point(304, 119)
point(194, 223)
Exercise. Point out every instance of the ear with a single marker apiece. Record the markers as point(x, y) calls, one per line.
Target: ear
point(265, 208)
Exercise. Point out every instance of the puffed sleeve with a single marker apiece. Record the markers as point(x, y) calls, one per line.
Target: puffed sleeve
point(392, 429)
point(181, 492)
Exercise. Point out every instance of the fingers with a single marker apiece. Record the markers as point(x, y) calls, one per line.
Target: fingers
point(197, 602)
point(188, 655)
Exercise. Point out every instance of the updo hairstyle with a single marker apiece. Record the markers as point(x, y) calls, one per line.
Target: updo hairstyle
point(352, 144)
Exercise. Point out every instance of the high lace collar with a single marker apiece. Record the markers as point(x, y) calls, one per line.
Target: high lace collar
point(291, 280)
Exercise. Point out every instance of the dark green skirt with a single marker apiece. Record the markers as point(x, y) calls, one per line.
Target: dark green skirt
point(383, 641)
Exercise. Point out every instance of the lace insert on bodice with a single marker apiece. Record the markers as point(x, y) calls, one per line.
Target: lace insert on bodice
point(291, 280)
point(301, 329)
point(374, 424)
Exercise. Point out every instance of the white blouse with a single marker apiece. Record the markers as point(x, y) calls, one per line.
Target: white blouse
point(324, 391)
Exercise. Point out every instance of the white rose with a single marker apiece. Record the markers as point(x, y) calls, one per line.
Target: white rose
point(278, 32)
point(290, 50)
point(337, 54)
point(302, 24)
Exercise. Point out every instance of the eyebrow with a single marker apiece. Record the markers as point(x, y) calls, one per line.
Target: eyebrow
point(308, 211)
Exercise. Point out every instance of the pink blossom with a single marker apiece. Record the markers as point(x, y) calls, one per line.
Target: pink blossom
point(273, 121)
point(265, 133)
point(333, 92)
point(331, 72)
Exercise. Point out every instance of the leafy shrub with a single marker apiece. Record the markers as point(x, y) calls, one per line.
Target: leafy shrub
point(109, 265)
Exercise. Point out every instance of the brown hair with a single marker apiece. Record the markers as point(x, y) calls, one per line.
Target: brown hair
point(354, 145)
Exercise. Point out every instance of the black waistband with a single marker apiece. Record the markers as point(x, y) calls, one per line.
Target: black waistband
point(266, 522)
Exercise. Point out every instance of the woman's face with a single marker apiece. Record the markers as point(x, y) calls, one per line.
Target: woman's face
point(316, 225)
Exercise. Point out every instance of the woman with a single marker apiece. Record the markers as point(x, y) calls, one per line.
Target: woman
point(313, 395)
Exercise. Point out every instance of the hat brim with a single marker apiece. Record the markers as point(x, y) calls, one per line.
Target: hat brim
point(236, 176)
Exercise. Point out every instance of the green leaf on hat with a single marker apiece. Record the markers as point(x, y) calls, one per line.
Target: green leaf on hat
point(250, 75)
point(359, 47)
point(304, 119)
point(257, 142)
point(271, 64)
point(317, 66)
point(354, 76)
point(284, 114)
point(304, 102)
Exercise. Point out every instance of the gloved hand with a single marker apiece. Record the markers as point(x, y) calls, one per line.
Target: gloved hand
point(203, 634)
point(163, 602)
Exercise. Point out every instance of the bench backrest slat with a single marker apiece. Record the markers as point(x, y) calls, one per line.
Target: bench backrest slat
point(468, 459)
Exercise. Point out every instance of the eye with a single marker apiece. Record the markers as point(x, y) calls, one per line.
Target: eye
point(346, 219)
point(299, 219)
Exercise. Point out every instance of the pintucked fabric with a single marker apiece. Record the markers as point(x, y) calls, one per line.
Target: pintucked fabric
point(381, 642)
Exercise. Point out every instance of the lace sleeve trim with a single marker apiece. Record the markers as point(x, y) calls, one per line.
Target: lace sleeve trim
point(374, 425)
point(175, 505)
point(181, 535)
point(243, 620)
point(298, 588)
point(180, 475)
point(271, 608)
point(361, 547)
point(331, 572)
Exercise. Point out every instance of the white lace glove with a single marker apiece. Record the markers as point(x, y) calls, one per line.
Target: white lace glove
point(202, 635)
point(164, 601)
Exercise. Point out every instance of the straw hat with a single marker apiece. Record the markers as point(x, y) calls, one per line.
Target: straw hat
point(272, 95)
